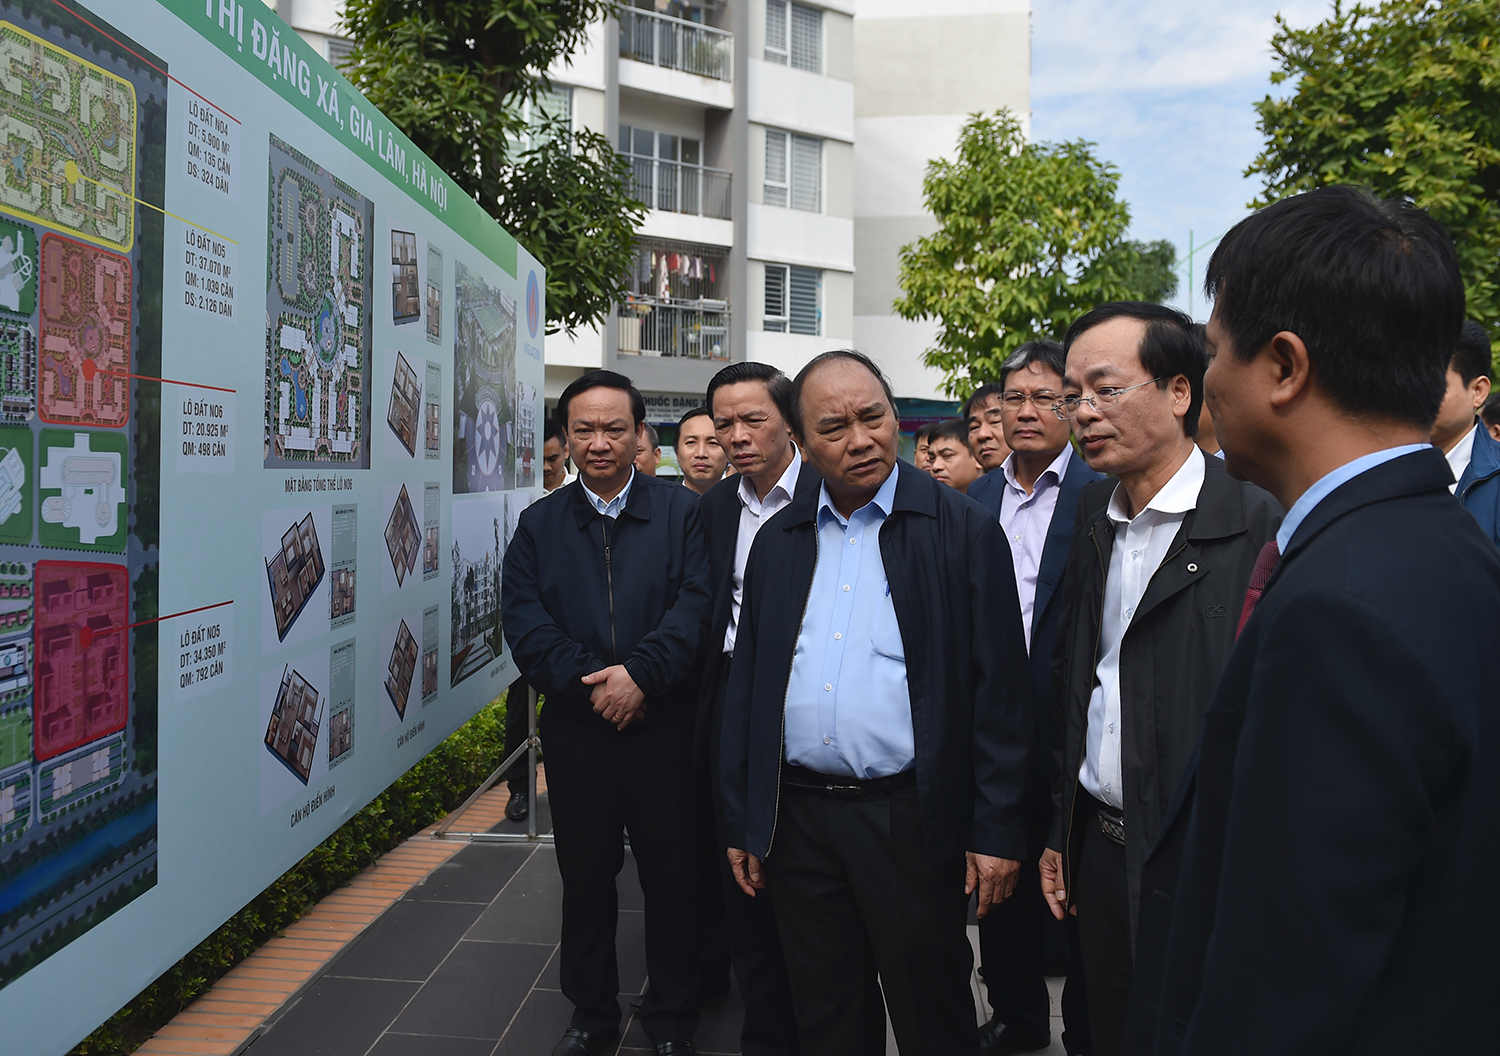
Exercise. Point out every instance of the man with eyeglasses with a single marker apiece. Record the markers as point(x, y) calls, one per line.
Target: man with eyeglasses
point(1154, 585)
point(1034, 495)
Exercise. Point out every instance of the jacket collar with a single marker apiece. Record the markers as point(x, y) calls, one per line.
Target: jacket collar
point(637, 503)
point(916, 492)
point(1485, 461)
point(1220, 510)
point(1414, 474)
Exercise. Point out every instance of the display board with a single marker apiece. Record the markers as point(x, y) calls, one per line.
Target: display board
point(269, 396)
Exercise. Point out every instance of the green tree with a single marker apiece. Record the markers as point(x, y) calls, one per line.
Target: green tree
point(1030, 236)
point(466, 80)
point(1153, 277)
point(1402, 97)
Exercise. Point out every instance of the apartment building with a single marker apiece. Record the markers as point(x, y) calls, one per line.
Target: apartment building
point(780, 148)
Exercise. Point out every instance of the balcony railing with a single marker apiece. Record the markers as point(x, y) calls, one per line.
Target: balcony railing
point(694, 329)
point(676, 44)
point(677, 188)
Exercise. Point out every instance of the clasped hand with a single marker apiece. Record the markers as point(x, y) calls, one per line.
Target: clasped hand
point(615, 696)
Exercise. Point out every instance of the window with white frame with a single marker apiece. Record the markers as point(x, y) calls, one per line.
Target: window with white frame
point(794, 171)
point(794, 35)
point(336, 50)
point(553, 106)
point(793, 301)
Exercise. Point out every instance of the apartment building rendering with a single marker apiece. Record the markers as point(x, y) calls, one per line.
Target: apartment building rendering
point(780, 148)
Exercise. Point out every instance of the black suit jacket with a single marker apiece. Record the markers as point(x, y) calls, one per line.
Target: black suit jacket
point(720, 511)
point(954, 592)
point(1170, 657)
point(1324, 880)
point(580, 592)
point(987, 491)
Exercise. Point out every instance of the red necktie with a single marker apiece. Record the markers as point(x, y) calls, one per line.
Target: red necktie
point(1265, 564)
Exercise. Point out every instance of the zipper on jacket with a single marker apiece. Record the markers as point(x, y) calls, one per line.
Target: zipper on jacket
point(609, 585)
point(781, 759)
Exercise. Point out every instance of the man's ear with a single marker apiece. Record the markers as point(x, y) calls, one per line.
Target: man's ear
point(1290, 367)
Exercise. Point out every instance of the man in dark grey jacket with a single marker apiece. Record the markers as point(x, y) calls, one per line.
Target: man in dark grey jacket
point(1155, 577)
point(604, 600)
point(876, 744)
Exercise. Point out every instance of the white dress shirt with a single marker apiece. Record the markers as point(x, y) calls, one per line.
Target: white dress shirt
point(1458, 458)
point(1141, 544)
point(755, 512)
point(1026, 520)
point(614, 506)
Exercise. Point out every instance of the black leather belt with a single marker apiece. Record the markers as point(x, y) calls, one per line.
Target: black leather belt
point(841, 787)
point(1113, 826)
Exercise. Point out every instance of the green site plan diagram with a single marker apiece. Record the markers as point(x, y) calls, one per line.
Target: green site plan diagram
point(67, 141)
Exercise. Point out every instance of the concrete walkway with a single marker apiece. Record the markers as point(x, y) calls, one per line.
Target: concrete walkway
point(444, 948)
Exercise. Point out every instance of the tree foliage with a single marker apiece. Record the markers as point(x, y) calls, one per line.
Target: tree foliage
point(1153, 277)
point(1030, 236)
point(1402, 97)
point(461, 78)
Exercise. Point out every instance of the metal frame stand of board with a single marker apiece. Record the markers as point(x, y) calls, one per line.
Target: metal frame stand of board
point(533, 742)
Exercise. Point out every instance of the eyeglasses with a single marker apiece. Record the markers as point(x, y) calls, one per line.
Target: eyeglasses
point(1042, 401)
point(1102, 399)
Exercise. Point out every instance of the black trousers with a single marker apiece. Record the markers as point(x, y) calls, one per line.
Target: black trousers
point(744, 928)
point(1103, 902)
point(517, 729)
point(601, 782)
point(863, 910)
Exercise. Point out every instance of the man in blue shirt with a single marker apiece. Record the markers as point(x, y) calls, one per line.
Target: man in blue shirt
point(875, 751)
point(1317, 884)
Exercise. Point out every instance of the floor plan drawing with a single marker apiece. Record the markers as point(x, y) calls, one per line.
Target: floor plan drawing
point(406, 402)
point(294, 573)
point(402, 669)
point(292, 735)
point(403, 537)
point(317, 315)
point(67, 141)
point(406, 288)
point(86, 329)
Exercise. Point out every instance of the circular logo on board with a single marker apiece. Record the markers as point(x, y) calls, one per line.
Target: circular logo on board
point(533, 304)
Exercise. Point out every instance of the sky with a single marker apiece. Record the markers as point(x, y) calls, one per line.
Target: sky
point(1166, 90)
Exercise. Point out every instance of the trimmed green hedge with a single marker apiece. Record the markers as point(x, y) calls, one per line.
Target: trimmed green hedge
point(436, 785)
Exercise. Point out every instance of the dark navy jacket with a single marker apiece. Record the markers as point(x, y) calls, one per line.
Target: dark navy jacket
point(1322, 879)
point(954, 591)
point(580, 592)
point(987, 491)
point(1479, 487)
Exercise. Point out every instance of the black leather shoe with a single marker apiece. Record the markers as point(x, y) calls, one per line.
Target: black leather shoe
point(675, 1048)
point(999, 1039)
point(519, 806)
point(577, 1042)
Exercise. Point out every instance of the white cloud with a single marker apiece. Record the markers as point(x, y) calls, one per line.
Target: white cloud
point(1166, 89)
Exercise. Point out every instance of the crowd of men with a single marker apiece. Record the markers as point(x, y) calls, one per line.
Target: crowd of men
point(1172, 659)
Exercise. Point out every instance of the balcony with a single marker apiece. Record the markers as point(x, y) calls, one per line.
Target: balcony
point(676, 44)
point(675, 187)
point(698, 329)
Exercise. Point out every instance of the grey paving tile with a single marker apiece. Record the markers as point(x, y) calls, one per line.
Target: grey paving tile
point(538, 1025)
point(476, 991)
point(529, 909)
point(630, 952)
point(474, 874)
point(335, 1017)
point(543, 810)
point(718, 1032)
point(408, 941)
point(430, 1045)
point(628, 885)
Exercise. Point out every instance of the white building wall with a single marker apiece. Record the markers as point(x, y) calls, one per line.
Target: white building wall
point(919, 71)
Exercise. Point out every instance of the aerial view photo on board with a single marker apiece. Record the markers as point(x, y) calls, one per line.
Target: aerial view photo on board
point(317, 315)
point(484, 378)
point(69, 134)
point(477, 554)
point(83, 146)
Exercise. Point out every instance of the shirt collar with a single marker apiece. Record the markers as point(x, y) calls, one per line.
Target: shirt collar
point(884, 500)
point(1056, 470)
point(1330, 482)
point(616, 503)
point(787, 483)
point(1178, 495)
point(1462, 453)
